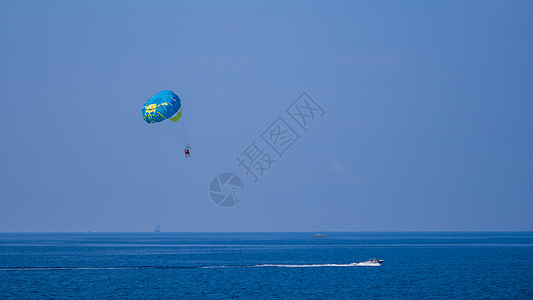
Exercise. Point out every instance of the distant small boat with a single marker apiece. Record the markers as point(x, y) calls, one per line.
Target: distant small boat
point(319, 235)
point(157, 227)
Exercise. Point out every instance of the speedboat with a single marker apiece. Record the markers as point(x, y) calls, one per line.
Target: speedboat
point(372, 262)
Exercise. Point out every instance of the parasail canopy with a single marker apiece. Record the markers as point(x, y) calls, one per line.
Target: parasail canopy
point(163, 105)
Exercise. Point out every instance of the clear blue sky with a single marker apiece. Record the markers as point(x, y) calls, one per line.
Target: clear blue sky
point(428, 122)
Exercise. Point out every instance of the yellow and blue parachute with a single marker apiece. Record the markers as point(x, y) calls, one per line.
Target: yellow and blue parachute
point(163, 105)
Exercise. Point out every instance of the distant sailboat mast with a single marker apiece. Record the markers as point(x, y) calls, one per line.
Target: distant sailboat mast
point(157, 227)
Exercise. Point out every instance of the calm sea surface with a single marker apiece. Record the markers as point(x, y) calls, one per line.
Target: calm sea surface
point(266, 265)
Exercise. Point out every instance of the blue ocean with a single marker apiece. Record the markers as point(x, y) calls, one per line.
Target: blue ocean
point(491, 265)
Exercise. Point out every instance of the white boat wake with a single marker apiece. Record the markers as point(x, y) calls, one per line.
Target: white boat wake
point(369, 263)
point(359, 264)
